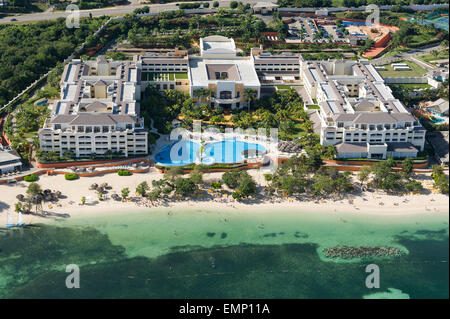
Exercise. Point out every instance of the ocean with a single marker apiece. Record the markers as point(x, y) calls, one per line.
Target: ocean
point(169, 253)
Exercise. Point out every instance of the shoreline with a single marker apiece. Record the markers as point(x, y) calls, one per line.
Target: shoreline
point(366, 203)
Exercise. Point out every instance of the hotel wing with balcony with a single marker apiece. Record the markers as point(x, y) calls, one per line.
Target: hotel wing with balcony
point(98, 111)
point(219, 69)
point(358, 112)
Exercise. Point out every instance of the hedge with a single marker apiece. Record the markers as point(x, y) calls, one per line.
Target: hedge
point(192, 166)
point(123, 172)
point(70, 176)
point(30, 178)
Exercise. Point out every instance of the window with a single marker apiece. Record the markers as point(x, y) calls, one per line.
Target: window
point(225, 95)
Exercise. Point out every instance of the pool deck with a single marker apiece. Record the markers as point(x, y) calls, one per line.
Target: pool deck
point(209, 139)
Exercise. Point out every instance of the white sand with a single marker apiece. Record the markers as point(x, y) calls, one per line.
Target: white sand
point(367, 203)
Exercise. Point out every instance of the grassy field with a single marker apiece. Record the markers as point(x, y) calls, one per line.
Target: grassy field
point(283, 87)
point(416, 71)
point(430, 57)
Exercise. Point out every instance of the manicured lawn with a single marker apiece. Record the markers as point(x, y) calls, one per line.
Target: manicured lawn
point(299, 132)
point(283, 87)
point(415, 71)
point(313, 107)
point(181, 76)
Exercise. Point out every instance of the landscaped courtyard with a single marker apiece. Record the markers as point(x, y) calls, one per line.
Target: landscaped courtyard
point(415, 70)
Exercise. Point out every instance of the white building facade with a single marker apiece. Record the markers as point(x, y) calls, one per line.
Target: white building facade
point(358, 113)
point(98, 111)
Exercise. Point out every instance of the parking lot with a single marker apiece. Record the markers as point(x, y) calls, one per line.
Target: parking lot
point(303, 29)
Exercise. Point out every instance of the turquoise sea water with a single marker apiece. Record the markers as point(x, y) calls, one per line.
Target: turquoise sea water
point(167, 253)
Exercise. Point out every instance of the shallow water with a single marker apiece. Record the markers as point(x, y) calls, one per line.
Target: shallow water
point(225, 254)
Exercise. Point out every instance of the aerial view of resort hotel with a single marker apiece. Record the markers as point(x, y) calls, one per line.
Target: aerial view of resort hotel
point(224, 151)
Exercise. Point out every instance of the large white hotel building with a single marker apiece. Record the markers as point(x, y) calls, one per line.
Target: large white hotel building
point(358, 112)
point(99, 105)
point(98, 111)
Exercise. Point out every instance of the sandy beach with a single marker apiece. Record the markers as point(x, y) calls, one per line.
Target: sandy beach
point(70, 206)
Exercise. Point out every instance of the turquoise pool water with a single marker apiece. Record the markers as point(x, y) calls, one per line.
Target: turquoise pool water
point(179, 153)
point(232, 150)
point(227, 151)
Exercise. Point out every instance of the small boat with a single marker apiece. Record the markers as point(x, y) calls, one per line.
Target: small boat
point(19, 220)
point(9, 222)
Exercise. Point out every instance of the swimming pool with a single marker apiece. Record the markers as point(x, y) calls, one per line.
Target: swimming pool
point(232, 151)
point(178, 153)
point(185, 152)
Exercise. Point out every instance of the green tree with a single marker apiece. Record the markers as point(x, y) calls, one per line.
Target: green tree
point(364, 174)
point(250, 95)
point(185, 186)
point(142, 188)
point(247, 185)
point(407, 166)
point(125, 192)
point(173, 172)
point(18, 207)
point(330, 152)
point(231, 178)
point(33, 189)
point(413, 186)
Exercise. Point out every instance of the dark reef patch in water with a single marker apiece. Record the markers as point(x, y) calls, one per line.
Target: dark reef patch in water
point(210, 234)
point(223, 235)
point(300, 234)
point(432, 232)
point(270, 235)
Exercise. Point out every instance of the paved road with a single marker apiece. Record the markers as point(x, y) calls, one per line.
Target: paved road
point(112, 11)
point(410, 55)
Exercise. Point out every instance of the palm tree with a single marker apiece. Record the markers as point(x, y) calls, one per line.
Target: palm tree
point(199, 94)
point(435, 53)
point(302, 34)
point(208, 94)
point(307, 126)
point(250, 95)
